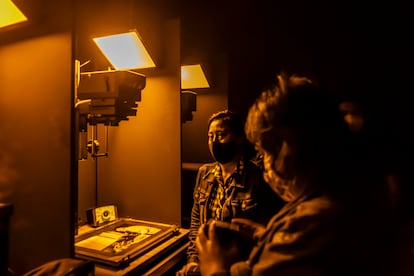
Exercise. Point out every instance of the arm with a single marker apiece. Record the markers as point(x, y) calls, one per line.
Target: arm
point(296, 244)
point(192, 255)
point(300, 242)
point(251, 228)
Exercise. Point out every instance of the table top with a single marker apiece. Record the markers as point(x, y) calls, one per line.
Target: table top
point(156, 259)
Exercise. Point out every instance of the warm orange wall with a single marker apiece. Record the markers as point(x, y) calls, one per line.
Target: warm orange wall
point(35, 138)
point(142, 172)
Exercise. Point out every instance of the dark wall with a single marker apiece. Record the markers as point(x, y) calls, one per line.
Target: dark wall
point(348, 47)
point(352, 48)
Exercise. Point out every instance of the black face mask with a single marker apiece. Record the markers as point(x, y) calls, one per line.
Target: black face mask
point(224, 152)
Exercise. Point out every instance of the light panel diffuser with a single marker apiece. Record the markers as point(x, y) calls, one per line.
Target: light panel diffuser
point(192, 76)
point(125, 51)
point(10, 14)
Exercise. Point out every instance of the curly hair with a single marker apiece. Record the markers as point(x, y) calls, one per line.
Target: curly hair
point(302, 114)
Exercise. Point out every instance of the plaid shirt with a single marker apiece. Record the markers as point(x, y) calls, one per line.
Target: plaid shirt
point(223, 191)
point(244, 195)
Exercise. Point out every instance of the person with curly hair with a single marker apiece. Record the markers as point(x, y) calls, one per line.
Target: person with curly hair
point(331, 224)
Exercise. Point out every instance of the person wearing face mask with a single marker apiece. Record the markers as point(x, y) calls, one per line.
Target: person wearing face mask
point(331, 224)
point(232, 186)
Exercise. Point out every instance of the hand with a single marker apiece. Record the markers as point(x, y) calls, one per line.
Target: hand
point(189, 267)
point(253, 229)
point(212, 255)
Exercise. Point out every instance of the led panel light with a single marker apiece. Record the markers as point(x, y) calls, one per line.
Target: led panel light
point(125, 51)
point(192, 76)
point(10, 14)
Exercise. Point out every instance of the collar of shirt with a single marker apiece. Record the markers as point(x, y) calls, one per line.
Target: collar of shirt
point(235, 177)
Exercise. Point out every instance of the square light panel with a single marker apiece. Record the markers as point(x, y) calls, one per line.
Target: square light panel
point(10, 14)
point(192, 76)
point(125, 51)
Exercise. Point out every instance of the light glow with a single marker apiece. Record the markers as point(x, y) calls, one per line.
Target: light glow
point(125, 51)
point(192, 76)
point(10, 14)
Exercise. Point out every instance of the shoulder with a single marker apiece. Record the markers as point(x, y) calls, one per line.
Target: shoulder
point(310, 214)
point(314, 213)
point(206, 172)
point(318, 215)
point(207, 167)
point(316, 206)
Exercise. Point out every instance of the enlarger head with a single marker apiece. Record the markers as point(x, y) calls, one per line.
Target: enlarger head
point(113, 95)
